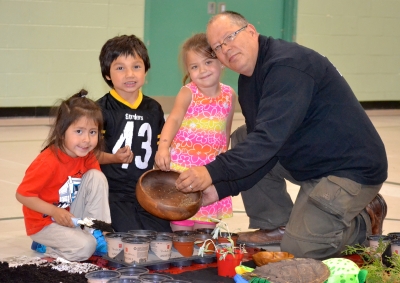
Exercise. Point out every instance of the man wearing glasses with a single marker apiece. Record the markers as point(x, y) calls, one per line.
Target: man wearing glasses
point(305, 125)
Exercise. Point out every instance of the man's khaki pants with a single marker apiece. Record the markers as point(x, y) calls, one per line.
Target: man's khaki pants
point(328, 214)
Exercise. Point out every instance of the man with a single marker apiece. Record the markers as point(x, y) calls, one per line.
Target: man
point(305, 125)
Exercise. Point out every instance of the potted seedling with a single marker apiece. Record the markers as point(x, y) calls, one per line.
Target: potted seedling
point(228, 255)
point(380, 266)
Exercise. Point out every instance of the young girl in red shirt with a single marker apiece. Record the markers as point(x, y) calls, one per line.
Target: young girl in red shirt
point(65, 182)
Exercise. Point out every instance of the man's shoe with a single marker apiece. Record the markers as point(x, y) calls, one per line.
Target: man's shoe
point(262, 237)
point(377, 210)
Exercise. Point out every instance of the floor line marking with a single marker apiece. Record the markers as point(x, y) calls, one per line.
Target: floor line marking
point(391, 183)
point(12, 218)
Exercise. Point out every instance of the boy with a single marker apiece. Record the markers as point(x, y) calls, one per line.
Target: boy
point(132, 127)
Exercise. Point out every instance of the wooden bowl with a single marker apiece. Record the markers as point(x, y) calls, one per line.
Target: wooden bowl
point(157, 194)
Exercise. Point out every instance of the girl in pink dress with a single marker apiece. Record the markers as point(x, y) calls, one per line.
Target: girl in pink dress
point(199, 125)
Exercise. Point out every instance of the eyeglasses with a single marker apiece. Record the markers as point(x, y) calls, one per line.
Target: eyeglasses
point(228, 39)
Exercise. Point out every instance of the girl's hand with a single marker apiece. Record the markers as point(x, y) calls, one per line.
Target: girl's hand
point(59, 215)
point(163, 159)
point(124, 155)
point(63, 217)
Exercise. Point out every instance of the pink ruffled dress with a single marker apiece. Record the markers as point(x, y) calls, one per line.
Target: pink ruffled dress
point(201, 137)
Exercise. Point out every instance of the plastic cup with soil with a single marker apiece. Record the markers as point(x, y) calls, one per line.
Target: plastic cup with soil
point(177, 281)
point(185, 232)
point(204, 225)
point(102, 276)
point(201, 238)
point(161, 246)
point(114, 243)
point(395, 246)
point(125, 280)
point(204, 231)
point(394, 235)
point(143, 233)
point(136, 249)
point(154, 278)
point(374, 240)
point(207, 242)
point(184, 245)
point(224, 236)
point(165, 234)
point(132, 272)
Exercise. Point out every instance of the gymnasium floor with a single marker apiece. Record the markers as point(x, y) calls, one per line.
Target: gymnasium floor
point(21, 140)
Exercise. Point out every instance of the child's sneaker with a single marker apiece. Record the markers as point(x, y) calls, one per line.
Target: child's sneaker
point(38, 247)
point(101, 247)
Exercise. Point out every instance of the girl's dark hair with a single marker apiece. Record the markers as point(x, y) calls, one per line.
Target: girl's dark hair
point(121, 45)
point(197, 43)
point(67, 113)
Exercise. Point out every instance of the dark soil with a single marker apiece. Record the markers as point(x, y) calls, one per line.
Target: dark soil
point(102, 226)
point(37, 274)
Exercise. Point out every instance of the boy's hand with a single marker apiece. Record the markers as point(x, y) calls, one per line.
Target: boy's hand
point(124, 155)
point(163, 159)
point(63, 217)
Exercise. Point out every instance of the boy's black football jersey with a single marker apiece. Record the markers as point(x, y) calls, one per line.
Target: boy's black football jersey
point(138, 126)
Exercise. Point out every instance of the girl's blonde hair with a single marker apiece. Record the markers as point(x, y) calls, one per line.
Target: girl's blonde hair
point(197, 43)
point(67, 113)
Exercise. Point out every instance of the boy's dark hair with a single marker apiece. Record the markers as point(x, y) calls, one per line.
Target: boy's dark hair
point(124, 45)
point(67, 113)
point(197, 43)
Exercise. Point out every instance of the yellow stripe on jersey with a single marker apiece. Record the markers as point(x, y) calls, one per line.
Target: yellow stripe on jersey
point(135, 105)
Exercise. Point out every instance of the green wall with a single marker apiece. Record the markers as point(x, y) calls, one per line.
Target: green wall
point(171, 22)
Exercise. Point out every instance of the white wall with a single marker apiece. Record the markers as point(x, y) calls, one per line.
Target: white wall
point(360, 37)
point(49, 49)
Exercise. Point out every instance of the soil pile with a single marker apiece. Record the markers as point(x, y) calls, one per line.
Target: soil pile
point(37, 270)
point(37, 274)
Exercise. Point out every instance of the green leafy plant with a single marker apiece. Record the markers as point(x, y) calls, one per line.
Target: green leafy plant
point(380, 267)
point(222, 249)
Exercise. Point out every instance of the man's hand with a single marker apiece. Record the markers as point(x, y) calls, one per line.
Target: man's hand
point(193, 179)
point(210, 196)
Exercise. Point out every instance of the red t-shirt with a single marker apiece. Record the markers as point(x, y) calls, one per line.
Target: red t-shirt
point(44, 178)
